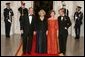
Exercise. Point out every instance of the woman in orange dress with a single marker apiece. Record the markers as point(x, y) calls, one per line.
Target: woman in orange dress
point(52, 40)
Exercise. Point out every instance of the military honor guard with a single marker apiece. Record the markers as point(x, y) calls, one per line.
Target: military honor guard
point(8, 13)
point(78, 16)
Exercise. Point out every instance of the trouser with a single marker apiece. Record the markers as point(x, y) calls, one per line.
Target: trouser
point(27, 42)
point(63, 40)
point(7, 29)
point(77, 32)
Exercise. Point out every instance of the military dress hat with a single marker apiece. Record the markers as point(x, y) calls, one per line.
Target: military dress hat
point(64, 4)
point(79, 7)
point(8, 3)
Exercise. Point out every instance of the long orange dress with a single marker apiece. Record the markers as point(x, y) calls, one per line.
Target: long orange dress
point(52, 39)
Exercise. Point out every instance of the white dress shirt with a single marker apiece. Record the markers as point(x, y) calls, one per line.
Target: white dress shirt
point(61, 18)
point(30, 19)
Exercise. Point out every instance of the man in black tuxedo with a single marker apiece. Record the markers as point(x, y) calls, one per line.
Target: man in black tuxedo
point(78, 16)
point(8, 13)
point(64, 23)
point(28, 27)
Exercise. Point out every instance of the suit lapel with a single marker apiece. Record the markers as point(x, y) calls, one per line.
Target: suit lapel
point(32, 20)
point(28, 19)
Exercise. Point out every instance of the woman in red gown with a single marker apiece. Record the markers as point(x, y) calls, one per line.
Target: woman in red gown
point(52, 40)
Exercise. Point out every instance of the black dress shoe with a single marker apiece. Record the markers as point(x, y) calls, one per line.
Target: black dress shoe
point(7, 36)
point(64, 53)
point(76, 37)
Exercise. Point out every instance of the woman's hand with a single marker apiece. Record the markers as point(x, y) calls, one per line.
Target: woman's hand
point(46, 32)
point(34, 32)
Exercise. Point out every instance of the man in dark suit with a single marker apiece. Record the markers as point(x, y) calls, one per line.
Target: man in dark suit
point(78, 16)
point(64, 23)
point(28, 27)
point(23, 11)
point(8, 13)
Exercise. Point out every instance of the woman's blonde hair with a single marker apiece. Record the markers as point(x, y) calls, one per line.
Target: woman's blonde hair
point(42, 11)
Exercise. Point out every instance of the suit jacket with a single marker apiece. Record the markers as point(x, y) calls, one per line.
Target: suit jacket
point(26, 26)
point(64, 23)
point(22, 11)
point(6, 14)
point(78, 18)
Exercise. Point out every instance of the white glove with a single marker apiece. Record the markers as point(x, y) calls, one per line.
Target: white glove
point(65, 28)
point(9, 21)
point(76, 17)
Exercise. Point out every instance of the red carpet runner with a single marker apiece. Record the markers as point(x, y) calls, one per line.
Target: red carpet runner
point(33, 50)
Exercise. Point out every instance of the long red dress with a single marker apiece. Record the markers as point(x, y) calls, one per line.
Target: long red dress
point(52, 39)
